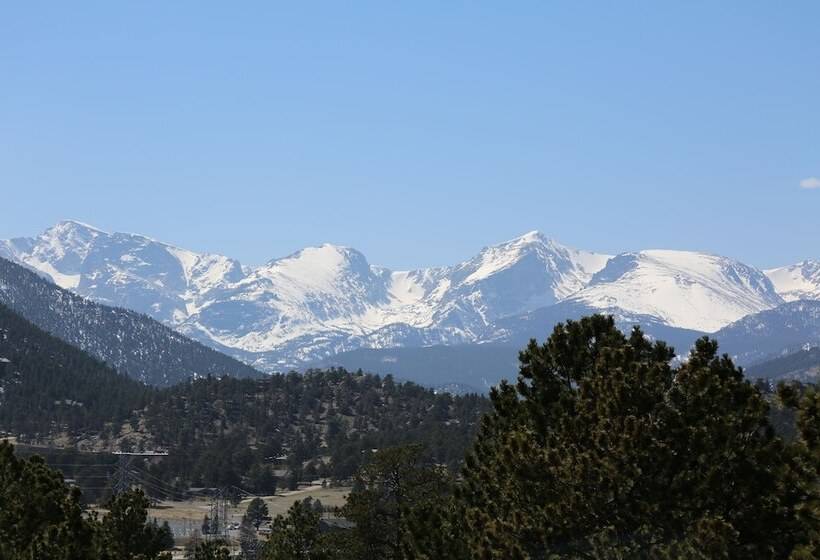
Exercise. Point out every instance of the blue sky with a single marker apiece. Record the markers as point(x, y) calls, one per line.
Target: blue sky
point(416, 132)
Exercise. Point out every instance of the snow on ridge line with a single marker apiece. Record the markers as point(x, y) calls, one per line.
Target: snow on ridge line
point(84, 225)
point(797, 281)
point(333, 290)
point(684, 289)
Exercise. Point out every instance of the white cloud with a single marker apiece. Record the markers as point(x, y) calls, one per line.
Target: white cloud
point(810, 183)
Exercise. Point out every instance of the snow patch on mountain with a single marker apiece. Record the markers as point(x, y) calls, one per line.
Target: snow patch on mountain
point(798, 281)
point(683, 289)
point(328, 299)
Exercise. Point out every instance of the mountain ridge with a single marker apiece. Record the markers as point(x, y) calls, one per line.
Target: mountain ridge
point(321, 301)
point(127, 341)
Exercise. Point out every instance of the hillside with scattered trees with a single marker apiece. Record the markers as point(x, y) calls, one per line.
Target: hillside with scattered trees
point(604, 448)
point(222, 431)
point(131, 343)
point(50, 387)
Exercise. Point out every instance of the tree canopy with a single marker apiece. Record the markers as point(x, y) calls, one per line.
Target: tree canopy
point(604, 449)
point(257, 511)
point(42, 517)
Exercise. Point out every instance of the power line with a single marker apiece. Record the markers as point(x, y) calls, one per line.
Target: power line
point(86, 477)
point(166, 491)
point(78, 465)
point(146, 474)
point(122, 481)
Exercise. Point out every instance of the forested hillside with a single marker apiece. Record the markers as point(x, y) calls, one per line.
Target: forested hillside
point(236, 432)
point(130, 342)
point(803, 365)
point(604, 448)
point(221, 431)
point(320, 423)
point(48, 386)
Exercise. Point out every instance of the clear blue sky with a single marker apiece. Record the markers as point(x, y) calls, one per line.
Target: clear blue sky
point(419, 132)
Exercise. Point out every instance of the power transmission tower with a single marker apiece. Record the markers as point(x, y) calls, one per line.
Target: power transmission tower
point(219, 514)
point(123, 480)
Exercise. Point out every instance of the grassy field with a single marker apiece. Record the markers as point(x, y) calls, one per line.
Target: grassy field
point(186, 517)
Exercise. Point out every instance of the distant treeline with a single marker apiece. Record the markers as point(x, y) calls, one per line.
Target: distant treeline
point(228, 431)
point(604, 448)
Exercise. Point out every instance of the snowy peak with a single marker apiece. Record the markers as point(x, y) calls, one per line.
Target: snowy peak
point(798, 281)
point(123, 269)
point(328, 280)
point(321, 266)
point(503, 255)
point(681, 288)
point(59, 251)
point(520, 275)
point(568, 269)
point(326, 296)
point(328, 299)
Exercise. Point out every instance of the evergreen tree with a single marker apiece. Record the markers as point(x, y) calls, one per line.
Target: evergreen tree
point(293, 480)
point(294, 536)
point(127, 535)
point(807, 407)
point(257, 512)
point(261, 479)
point(40, 517)
point(393, 489)
point(208, 550)
point(605, 450)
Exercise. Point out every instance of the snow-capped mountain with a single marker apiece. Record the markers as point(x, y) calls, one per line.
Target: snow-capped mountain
point(127, 270)
point(798, 281)
point(681, 288)
point(324, 300)
point(316, 302)
point(781, 331)
point(526, 273)
point(129, 342)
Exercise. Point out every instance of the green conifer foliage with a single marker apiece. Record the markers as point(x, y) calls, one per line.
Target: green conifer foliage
point(40, 517)
point(294, 536)
point(392, 492)
point(257, 511)
point(605, 450)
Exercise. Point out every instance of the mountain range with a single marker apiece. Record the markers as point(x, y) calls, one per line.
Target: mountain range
point(127, 341)
point(325, 301)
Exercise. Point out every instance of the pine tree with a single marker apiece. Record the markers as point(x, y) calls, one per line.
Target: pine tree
point(247, 539)
point(40, 517)
point(807, 407)
point(257, 512)
point(127, 534)
point(390, 493)
point(294, 536)
point(208, 550)
point(603, 449)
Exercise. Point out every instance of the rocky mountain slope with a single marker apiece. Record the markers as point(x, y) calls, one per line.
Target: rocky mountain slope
point(803, 365)
point(129, 342)
point(798, 281)
point(783, 330)
point(47, 385)
point(327, 300)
